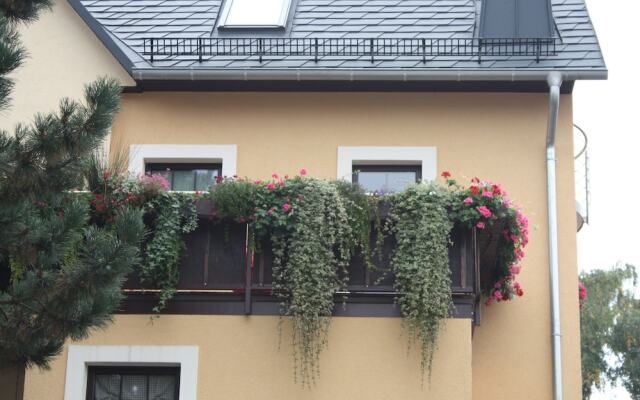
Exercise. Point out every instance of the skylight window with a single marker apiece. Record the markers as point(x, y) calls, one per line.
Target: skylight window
point(255, 13)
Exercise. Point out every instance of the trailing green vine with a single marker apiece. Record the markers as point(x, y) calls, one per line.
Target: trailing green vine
point(174, 215)
point(315, 227)
point(421, 226)
point(311, 252)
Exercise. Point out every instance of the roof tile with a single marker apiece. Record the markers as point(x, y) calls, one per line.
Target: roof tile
point(130, 21)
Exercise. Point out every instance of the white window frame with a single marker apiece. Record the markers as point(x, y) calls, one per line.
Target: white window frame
point(225, 154)
point(80, 358)
point(282, 21)
point(425, 157)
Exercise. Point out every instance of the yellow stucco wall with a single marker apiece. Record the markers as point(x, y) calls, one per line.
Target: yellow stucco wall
point(239, 358)
point(63, 55)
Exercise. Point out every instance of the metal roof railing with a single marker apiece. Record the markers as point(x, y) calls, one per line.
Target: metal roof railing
point(204, 48)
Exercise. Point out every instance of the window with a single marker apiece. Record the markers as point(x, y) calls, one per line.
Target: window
point(386, 167)
point(133, 383)
point(141, 155)
point(82, 358)
point(386, 178)
point(187, 177)
point(255, 13)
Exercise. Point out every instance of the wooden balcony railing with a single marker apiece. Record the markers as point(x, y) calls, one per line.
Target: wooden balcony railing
point(219, 274)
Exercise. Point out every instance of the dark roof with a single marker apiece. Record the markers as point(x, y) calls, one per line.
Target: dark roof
point(123, 25)
point(516, 19)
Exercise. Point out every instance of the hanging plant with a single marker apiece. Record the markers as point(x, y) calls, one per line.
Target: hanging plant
point(485, 204)
point(167, 215)
point(420, 262)
point(174, 214)
point(358, 207)
point(312, 241)
point(314, 228)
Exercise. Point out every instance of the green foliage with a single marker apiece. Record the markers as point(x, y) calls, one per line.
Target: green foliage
point(485, 204)
point(11, 56)
point(167, 216)
point(310, 235)
point(59, 276)
point(421, 226)
point(609, 324)
point(234, 199)
point(174, 214)
point(357, 206)
point(24, 10)
point(625, 343)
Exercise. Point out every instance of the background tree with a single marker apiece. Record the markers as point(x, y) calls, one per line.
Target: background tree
point(625, 344)
point(610, 329)
point(59, 276)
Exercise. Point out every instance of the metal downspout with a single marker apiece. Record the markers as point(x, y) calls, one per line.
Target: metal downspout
point(554, 80)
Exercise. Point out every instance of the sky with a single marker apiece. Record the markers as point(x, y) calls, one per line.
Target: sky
point(609, 111)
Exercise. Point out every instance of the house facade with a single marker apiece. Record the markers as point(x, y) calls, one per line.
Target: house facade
point(246, 88)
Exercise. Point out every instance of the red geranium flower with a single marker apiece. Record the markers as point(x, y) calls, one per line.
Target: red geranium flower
point(446, 174)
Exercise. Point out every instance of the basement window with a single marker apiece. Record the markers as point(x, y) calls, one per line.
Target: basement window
point(255, 14)
point(133, 383)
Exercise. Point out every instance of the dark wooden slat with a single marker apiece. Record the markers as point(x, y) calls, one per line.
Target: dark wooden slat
point(248, 254)
point(206, 257)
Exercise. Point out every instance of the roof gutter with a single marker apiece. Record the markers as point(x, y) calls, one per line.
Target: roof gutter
point(196, 74)
point(554, 81)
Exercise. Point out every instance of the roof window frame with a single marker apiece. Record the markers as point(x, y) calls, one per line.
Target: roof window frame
point(285, 11)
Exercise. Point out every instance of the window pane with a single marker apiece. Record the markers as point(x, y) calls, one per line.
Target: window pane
point(183, 180)
point(107, 387)
point(165, 172)
point(256, 13)
point(386, 181)
point(162, 387)
point(205, 178)
point(134, 387)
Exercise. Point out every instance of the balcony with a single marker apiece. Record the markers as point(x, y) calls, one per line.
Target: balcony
point(219, 274)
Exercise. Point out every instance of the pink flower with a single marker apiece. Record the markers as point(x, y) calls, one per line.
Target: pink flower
point(271, 186)
point(506, 202)
point(286, 207)
point(489, 301)
point(515, 269)
point(275, 176)
point(154, 180)
point(257, 182)
point(481, 225)
point(270, 211)
point(487, 193)
point(303, 172)
point(281, 183)
point(582, 292)
point(498, 295)
point(468, 200)
point(484, 211)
